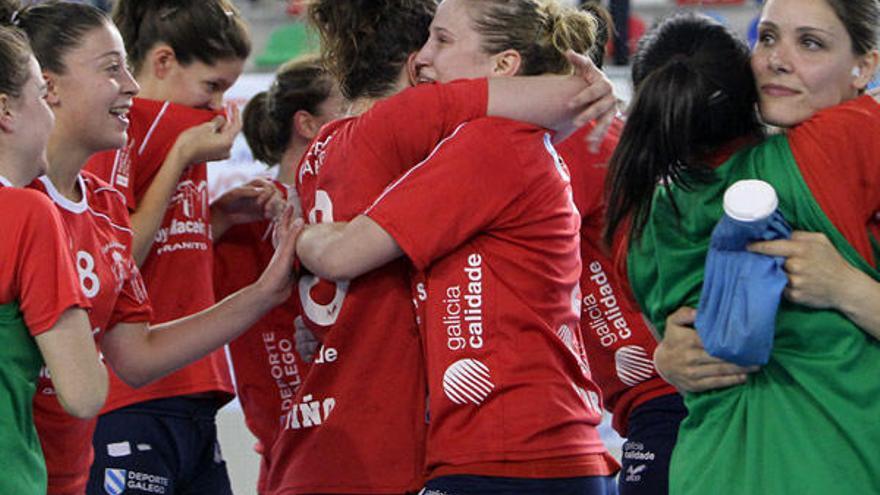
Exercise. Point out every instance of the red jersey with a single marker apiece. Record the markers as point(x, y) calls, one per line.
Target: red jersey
point(268, 369)
point(849, 199)
point(178, 270)
point(617, 338)
point(101, 238)
point(37, 269)
point(489, 219)
point(358, 423)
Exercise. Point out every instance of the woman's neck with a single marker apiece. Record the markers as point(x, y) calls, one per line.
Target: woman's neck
point(11, 170)
point(361, 105)
point(65, 164)
point(290, 160)
point(151, 88)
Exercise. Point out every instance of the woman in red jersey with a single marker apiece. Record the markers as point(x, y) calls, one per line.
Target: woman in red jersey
point(366, 386)
point(617, 340)
point(279, 124)
point(42, 315)
point(84, 66)
point(184, 55)
point(512, 408)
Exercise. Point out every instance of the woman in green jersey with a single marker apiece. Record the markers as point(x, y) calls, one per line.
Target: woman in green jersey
point(797, 424)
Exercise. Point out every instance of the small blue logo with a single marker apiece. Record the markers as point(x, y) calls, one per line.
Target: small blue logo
point(114, 481)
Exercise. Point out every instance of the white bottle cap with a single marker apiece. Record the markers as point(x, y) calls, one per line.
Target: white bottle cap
point(750, 200)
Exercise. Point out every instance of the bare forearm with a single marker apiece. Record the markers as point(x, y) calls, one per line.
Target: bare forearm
point(79, 377)
point(859, 300)
point(343, 251)
point(321, 250)
point(541, 100)
point(167, 347)
point(145, 221)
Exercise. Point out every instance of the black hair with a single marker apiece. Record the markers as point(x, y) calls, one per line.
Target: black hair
point(693, 93)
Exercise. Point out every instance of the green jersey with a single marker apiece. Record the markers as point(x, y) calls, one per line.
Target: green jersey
point(24, 472)
point(809, 421)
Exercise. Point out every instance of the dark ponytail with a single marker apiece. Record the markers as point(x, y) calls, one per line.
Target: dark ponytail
point(203, 30)
point(263, 135)
point(53, 28)
point(693, 93)
point(268, 117)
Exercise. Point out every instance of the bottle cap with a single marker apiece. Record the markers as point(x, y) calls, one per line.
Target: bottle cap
point(750, 200)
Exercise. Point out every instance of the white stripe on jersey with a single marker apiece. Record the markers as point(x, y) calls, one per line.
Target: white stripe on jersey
point(110, 190)
point(416, 167)
point(116, 157)
point(110, 221)
point(153, 128)
point(83, 206)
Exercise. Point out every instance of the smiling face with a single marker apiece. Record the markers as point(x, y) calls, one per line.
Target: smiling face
point(803, 61)
point(453, 48)
point(92, 97)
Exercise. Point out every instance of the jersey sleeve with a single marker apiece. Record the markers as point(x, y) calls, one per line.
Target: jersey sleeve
point(445, 200)
point(837, 153)
point(423, 115)
point(46, 275)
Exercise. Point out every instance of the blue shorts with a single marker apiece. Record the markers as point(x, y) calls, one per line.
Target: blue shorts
point(653, 429)
point(490, 485)
point(164, 446)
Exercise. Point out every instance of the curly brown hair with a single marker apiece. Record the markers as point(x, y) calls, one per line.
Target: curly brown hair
point(365, 43)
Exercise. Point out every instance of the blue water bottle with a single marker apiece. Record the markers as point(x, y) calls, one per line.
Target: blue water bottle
point(736, 316)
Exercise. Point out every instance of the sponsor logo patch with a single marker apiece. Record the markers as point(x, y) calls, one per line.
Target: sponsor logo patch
point(119, 449)
point(114, 481)
point(467, 381)
point(633, 365)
